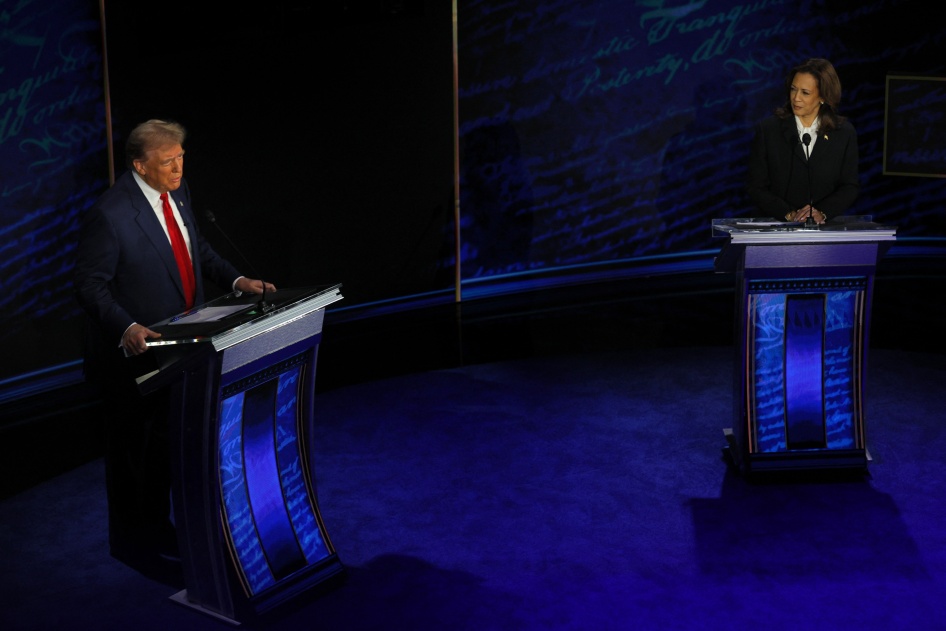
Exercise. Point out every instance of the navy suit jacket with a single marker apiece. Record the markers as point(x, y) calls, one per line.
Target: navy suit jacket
point(778, 173)
point(125, 270)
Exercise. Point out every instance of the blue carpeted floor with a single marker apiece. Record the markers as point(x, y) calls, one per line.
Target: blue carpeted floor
point(583, 491)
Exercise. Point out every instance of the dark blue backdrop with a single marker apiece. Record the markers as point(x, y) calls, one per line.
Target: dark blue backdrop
point(602, 131)
point(590, 134)
point(53, 164)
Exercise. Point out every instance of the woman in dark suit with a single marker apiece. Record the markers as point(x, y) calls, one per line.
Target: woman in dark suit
point(804, 160)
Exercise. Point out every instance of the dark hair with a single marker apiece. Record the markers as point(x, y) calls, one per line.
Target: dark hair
point(151, 135)
point(829, 87)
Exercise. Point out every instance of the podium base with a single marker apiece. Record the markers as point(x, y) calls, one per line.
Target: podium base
point(731, 450)
point(181, 598)
point(810, 460)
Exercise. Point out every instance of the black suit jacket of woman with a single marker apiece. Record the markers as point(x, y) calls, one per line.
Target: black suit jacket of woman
point(779, 172)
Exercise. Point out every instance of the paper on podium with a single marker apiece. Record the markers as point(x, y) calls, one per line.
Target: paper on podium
point(234, 315)
point(228, 321)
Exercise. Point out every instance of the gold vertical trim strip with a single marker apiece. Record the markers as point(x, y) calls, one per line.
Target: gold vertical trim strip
point(108, 99)
point(749, 376)
point(458, 297)
point(858, 359)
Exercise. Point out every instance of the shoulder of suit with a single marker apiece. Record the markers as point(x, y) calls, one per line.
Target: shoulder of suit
point(773, 121)
point(779, 126)
point(122, 194)
point(843, 131)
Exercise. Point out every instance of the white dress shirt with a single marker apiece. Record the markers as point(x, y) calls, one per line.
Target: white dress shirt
point(154, 198)
point(811, 130)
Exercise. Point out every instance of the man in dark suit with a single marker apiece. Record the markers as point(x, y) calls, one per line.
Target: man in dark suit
point(129, 275)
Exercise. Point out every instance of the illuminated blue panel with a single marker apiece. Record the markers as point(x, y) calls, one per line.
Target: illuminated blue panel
point(234, 493)
point(292, 468)
point(772, 366)
point(840, 365)
point(262, 479)
point(768, 311)
point(804, 350)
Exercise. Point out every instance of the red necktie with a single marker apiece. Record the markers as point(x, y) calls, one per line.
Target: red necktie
point(180, 251)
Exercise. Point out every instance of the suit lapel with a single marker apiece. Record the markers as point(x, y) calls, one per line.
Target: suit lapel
point(151, 227)
point(790, 134)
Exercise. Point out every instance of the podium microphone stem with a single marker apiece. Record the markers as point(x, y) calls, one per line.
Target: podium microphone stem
point(810, 221)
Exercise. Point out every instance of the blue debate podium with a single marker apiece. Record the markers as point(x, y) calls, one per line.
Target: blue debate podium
point(241, 370)
point(802, 326)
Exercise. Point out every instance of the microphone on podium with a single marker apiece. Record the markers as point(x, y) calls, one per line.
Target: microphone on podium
point(264, 306)
point(810, 222)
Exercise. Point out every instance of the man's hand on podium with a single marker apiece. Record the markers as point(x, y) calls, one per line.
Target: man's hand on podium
point(135, 339)
point(253, 286)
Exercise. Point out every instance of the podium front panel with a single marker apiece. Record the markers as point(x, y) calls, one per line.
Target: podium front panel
point(245, 502)
point(804, 346)
point(803, 302)
point(270, 516)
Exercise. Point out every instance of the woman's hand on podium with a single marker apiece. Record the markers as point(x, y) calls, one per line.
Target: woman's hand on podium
point(802, 214)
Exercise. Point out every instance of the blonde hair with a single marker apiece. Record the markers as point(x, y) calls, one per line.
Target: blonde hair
point(151, 135)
